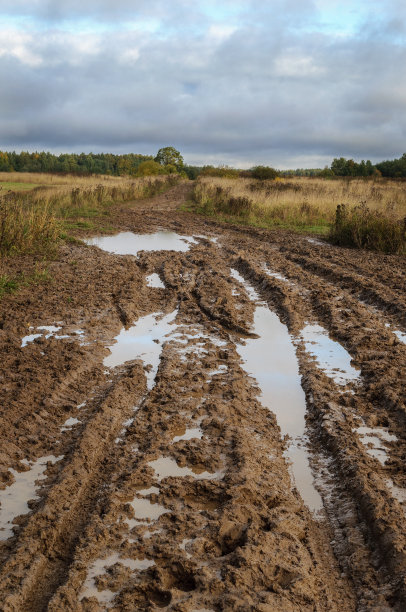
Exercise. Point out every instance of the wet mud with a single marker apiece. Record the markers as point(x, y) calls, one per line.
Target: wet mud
point(203, 417)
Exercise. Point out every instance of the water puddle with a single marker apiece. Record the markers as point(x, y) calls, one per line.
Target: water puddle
point(400, 335)
point(398, 493)
point(317, 241)
point(331, 357)
point(99, 567)
point(278, 276)
point(128, 243)
point(189, 434)
point(142, 340)
point(69, 423)
point(14, 499)
point(48, 331)
point(183, 545)
point(153, 280)
point(374, 438)
point(145, 509)
point(271, 360)
point(166, 467)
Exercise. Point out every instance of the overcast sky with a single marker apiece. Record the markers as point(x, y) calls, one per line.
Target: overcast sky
point(286, 83)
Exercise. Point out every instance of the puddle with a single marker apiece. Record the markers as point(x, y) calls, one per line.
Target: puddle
point(69, 423)
point(14, 499)
point(316, 241)
point(45, 330)
point(49, 331)
point(128, 243)
point(332, 358)
point(189, 434)
point(271, 360)
point(166, 467)
point(138, 342)
point(99, 567)
point(153, 280)
point(398, 493)
point(183, 545)
point(278, 276)
point(400, 335)
point(374, 438)
point(145, 510)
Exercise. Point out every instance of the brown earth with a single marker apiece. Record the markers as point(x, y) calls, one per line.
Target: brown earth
point(238, 537)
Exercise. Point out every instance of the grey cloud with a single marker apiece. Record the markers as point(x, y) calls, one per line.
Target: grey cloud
point(265, 92)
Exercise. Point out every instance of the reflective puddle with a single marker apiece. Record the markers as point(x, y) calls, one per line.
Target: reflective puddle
point(189, 434)
point(142, 341)
point(144, 509)
point(69, 423)
point(271, 360)
point(331, 357)
point(166, 467)
point(374, 439)
point(128, 243)
point(50, 331)
point(400, 335)
point(398, 493)
point(153, 280)
point(14, 499)
point(278, 276)
point(99, 567)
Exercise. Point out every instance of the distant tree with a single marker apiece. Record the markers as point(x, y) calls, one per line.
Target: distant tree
point(326, 173)
point(264, 173)
point(149, 168)
point(169, 156)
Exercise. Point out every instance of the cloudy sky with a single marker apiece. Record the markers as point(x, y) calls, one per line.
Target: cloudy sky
point(287, 83)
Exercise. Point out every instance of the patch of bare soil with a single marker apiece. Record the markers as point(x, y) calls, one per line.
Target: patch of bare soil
point(139, 469)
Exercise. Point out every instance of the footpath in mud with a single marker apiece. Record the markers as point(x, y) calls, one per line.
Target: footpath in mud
point(197, 417)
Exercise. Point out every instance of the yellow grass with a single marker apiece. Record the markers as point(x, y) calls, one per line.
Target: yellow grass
point(41, 178)
point(298, 202)
point(32, 221)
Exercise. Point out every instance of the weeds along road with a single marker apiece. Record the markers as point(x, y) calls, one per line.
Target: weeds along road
point(142, 469)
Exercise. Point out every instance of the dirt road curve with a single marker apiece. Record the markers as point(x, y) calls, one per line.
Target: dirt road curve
point(156, 476)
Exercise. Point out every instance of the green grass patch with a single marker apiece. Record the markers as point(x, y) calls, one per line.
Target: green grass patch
point(251, 220)
point(7, 285)
point(10, 186)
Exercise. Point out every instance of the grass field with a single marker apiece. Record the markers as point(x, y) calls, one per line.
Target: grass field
point(16, 186)
point(34, 221)
point(372, 217)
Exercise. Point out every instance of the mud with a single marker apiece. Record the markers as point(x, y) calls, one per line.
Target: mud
point(141, 467)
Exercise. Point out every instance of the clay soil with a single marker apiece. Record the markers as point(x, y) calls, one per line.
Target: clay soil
point(240, 538)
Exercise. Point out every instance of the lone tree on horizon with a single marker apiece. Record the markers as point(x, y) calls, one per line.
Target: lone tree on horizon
point(169, 156)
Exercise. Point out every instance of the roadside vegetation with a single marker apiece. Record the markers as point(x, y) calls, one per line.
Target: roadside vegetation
point(357, 212)
point(35, 221)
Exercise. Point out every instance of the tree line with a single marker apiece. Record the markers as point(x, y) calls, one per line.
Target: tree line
point(169, 160)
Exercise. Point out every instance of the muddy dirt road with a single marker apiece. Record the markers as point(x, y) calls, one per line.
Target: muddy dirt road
point(204, 418)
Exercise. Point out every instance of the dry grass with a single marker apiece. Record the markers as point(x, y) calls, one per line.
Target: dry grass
point(40, 178)
point(33, 221)
point(303, 203)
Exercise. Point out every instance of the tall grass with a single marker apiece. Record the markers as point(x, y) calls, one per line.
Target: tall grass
point(72, 180)
point(32, 222)
point(26, 226)
point(307, 204)
point(362, 227)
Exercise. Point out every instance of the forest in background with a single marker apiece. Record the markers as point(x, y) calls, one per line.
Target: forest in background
point(134, 164)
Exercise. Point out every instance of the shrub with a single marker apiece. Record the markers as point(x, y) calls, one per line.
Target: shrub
point(264, 173)
point(368, 229)
point(149, 168)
